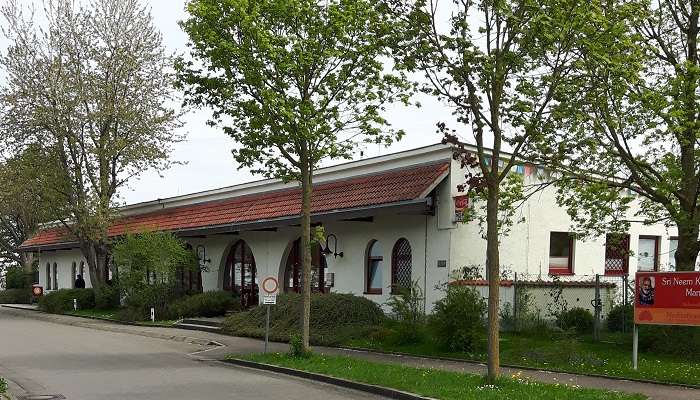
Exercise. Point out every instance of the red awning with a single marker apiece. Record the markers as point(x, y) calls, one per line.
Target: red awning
point(369, 191)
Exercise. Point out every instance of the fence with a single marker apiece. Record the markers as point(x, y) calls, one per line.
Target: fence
point(531, 301)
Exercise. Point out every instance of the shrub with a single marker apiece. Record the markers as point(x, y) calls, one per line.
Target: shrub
point(16, 278)
point(296, 346)
point(107, 297)
point(578, 319)
point(407, 309)
point(60, 301)
point(3, 386)
point(207, 304)
point(458, 319)
point(15, 296)
point(683, 341)
point(159, 295)
point(335, 318)
point(620, 316)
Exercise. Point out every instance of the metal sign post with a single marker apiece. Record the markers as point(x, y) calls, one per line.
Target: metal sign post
point(269, 286)
point(635, 346)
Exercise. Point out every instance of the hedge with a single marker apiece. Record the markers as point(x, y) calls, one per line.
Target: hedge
point(335, 318)
point(60, 301)
point(15, 296)
point(207, 304)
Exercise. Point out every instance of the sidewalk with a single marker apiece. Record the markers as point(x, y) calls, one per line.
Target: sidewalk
point(217, 346)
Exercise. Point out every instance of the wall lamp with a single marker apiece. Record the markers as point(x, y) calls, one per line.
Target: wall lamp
point(327, 251)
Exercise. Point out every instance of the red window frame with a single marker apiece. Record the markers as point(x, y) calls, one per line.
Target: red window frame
point(569, 270)
point(617, 251)
point(657, 240)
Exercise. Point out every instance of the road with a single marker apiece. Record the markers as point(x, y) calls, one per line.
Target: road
point(45, 358)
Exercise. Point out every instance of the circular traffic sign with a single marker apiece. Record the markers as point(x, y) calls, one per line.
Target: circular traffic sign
point(37, 290)
point(270, 285)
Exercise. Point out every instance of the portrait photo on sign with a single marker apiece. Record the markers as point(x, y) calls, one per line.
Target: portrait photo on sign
point(646, 290)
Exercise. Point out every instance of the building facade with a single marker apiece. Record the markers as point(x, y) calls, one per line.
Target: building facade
point(394, 218)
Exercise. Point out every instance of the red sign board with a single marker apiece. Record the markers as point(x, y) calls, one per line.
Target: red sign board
point(667, 298)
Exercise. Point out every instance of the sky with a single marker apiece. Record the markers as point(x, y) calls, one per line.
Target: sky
point(205, 154)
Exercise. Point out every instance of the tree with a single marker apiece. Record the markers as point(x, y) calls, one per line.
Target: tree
point(629, 128)
point(90, 86)
point(294, 82)
point(23, 205)
point(497, 64)
point(148, 263)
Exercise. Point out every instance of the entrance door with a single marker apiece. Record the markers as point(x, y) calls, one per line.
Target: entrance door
point(293, 269)
point(240, 274)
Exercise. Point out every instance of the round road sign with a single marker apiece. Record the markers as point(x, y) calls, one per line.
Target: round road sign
point(270, 285)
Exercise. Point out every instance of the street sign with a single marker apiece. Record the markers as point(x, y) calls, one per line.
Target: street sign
point(667, 298)
point(270, 285)
point(269, 299)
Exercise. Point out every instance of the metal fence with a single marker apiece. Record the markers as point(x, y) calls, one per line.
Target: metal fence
point(530, 301)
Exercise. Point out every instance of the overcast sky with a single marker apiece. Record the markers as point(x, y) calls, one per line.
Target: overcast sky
point(206, 153)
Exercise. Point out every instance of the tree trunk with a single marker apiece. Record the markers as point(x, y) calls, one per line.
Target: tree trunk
point(28, 267)
point(493, 265)
point(95, 254)
point(687, 250)
point(306, 190)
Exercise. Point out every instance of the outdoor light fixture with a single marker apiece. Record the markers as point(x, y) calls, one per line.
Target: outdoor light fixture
point(327, 251)
point(202, 255)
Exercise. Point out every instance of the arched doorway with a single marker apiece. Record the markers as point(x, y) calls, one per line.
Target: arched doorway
point(240, 275)
point(293, 269)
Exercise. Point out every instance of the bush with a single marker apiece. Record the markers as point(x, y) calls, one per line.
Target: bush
point(682, 341)
point(16, 278)
point(458, 319)
point(296, 346)
point(620, 316)
point(15, 296)
point(107, 298)
point(207, 304)
point(578, 319)
point(407, 310)
point(60, 301)
point(138, 304)
point(335, 318)
point(3, 386)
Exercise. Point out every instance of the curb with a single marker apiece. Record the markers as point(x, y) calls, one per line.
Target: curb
point(515, 366)
point(362, 387)
point(176, 338)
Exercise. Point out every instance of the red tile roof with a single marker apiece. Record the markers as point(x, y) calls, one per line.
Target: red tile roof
point(355, 192)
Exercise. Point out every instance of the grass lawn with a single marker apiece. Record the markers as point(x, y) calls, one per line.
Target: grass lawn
point(435, 383)
point(572, 355)
point(110, 315)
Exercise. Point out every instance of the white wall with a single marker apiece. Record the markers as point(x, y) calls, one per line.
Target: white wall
point(64, 261)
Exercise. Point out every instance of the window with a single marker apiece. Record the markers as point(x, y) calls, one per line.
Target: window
point(373, 273)
point(617, 250)
point(561, 252)
point(73, 272)
point(55, 276)
point(672, 247)
point(240, 274)
point(648, 253)
point(293, 269)
point(48, 276)
point(401, 262)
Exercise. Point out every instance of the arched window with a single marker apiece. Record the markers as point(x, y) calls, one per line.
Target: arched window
point(73, 272)
point(293, 269)
point(48, 276)
point(55, 276)
point(373, 270)
point(240, 274)
point(401, 263)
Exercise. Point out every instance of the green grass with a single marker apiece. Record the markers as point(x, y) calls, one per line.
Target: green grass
point(436, 383)
point(580, 355)
point(110, 315)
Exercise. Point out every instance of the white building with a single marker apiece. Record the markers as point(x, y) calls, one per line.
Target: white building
point(392, 218)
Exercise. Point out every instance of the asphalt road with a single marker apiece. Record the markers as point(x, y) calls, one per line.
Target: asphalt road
point(45, 358)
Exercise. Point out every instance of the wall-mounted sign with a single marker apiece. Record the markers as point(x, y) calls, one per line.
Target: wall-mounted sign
point(461, 204)
point(667, 298)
